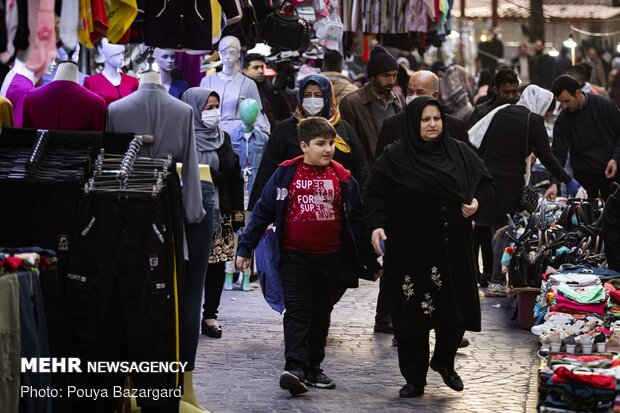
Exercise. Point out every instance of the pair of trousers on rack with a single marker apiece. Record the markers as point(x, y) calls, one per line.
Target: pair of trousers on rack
point(123, 290)
point(23, 333)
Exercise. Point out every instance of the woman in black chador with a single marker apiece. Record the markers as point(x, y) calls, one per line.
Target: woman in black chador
point(420, 200)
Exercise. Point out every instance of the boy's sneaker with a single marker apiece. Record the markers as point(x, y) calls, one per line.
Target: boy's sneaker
point(293, 381)
point(319, 379)
point(495, 290)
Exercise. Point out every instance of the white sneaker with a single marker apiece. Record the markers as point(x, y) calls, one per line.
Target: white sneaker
point(495, 290)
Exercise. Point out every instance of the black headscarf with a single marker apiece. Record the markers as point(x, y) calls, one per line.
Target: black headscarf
point(442, 168)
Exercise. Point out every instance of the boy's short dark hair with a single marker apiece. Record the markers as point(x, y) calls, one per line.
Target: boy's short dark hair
point(505, 77)
point(564, 83)
point(315, 127)
point(332, 61)
point(250, 57)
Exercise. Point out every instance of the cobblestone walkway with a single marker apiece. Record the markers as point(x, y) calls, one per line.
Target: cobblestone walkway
point(239, 372)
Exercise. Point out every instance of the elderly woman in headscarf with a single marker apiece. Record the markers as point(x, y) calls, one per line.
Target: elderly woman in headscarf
point(421, 197)
point(507, 136)
point(214, 148)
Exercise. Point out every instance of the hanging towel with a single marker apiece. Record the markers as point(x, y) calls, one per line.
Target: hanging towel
point(43, 50)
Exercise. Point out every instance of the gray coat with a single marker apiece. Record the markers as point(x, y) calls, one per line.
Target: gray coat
point(151, 110)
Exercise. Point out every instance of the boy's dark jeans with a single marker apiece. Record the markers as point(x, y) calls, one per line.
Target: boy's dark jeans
point(308, 281)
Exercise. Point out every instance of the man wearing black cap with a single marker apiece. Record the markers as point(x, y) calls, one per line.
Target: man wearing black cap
point(369, 106)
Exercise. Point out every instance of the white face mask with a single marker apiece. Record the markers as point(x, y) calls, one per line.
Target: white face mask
point(210, 117)
point(313, 106)
point(409, 99)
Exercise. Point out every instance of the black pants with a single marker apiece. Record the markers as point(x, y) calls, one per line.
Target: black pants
point(413, 353)
point(482, 241)
point(214, 283)
point(121, 292)
point(383, 304)
point(595, 183)
point(307, 281)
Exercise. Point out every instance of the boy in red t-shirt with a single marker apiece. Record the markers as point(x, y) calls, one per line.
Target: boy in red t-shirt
point(316, 206)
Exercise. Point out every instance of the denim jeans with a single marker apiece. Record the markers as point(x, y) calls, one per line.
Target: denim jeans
point(199, 238)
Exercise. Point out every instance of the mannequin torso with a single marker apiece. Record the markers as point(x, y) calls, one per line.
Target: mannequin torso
point(111, 84)
point(233, 87)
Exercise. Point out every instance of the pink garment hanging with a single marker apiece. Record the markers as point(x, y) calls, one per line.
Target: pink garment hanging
point(43, 50)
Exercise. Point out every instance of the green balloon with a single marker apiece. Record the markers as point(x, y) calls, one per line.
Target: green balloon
point(248, 110)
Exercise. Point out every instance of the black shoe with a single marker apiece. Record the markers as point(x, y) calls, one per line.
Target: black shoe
point(384, 328)
point(451, 379)
point(211, 331)
point(464, 343)
point(409, 390)
point(319, 379)
point(484, 280)
point(293, 381)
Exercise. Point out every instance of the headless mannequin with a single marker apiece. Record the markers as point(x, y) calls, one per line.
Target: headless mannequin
point(189, 402)
point(17, 87)
point(63, 56)
point(233, 86)
point(67, 70)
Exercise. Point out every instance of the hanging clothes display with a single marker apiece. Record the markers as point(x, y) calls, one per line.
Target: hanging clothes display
point(16, 92)
point(126, 270)
point(177, 24)
point(151, 110)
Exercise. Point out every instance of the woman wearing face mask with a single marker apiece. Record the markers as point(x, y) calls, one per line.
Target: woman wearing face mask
point(422, 194)
point(214, 148)
point(317, 97)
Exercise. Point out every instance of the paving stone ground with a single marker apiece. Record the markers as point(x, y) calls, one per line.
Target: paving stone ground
point(239, 372)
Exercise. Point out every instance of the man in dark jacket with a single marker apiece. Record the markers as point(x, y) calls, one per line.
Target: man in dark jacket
point(522, 64)
point(588, 127)
point(421, 83)
point(367, 108)
point(506, 86)
point(543, 66)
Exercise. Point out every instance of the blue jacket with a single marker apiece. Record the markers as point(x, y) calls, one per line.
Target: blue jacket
point(256, 144)
point(358, 258)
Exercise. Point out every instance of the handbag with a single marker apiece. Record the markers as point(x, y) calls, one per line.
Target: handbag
point(529, 197)
point(284, 32)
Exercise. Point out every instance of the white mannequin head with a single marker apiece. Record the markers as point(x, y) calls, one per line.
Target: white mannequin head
point(164, 59)
point(230, 51)
point(114, 54)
